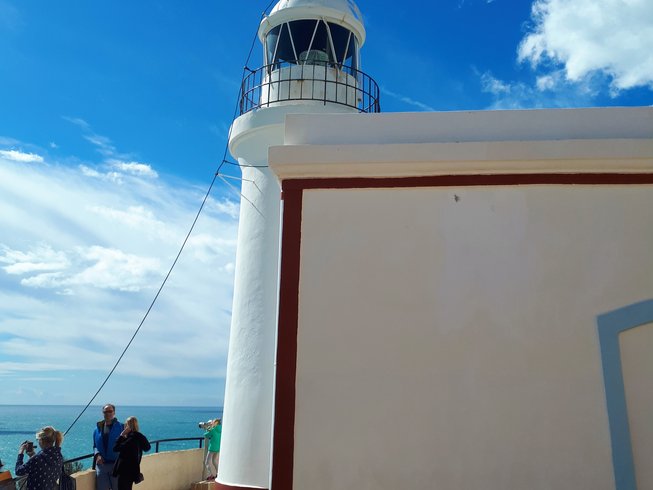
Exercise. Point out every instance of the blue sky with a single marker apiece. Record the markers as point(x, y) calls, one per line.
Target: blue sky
point(114, 118)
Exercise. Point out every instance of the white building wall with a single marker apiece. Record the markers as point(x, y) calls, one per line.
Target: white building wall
point(448, 338)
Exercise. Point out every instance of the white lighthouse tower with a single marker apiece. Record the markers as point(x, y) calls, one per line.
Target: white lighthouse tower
point(311, 65)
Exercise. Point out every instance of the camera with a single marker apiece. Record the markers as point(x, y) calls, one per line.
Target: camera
point(30, 446)
point(205, 425)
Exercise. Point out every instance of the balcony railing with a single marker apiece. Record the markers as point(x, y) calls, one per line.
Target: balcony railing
point(320, 82)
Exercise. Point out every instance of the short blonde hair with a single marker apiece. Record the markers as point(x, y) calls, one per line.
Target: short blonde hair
point(132, 423)
point(50, 436)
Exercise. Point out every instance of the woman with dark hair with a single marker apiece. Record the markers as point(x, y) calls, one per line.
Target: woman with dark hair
point(129, 446)
point(43, 469)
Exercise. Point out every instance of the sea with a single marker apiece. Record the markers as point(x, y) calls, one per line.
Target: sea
point(19, 423)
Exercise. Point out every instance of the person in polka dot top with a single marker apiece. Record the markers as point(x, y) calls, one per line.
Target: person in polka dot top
point(44, 468)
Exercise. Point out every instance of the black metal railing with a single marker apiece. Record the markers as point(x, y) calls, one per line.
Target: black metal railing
point(316, 81)
point(154, 443)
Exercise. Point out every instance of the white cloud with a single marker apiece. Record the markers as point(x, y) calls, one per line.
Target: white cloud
point(204, 246)
point(113, 159)
point(613, 37)
point(134, 168)
point(225, 206)
point(551, 90)
point(19, 156)
point(103, 144)
point(547, 82)
point(120, 172)
point(78, 121)
point(85, 266)
point(509, 95)
point(40, 258)
point(114, 269)
point(89, 172)
point(115, 177)
point(133, 216)
point(81, 255)
point(493, 85)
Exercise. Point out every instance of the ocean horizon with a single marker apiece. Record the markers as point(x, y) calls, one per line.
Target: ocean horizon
point(19, 423)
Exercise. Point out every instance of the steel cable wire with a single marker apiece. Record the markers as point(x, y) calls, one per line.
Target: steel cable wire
point(181, 249)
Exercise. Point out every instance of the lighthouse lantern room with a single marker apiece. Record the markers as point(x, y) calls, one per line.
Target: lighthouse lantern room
point(311, 55)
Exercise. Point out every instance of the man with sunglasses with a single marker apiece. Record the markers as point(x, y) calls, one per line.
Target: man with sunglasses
point(104, 437)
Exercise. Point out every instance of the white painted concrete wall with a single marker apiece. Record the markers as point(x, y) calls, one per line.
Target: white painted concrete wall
point(471, 126)
point(453, 344)
point(447, 335)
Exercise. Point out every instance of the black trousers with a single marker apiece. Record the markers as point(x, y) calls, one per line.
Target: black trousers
point(125, 482)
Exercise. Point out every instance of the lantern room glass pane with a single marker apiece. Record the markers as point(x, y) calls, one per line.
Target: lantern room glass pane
point(279, 45)
point(311, 43)
point(345, 45)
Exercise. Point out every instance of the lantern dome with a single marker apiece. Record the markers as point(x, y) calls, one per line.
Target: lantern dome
point(341, 12)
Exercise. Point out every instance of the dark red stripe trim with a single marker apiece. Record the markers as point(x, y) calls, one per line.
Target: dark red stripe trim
point(469, 180)
point(283, 444)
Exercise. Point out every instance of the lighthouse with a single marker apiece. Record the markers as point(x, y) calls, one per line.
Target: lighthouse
point(311, 64)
